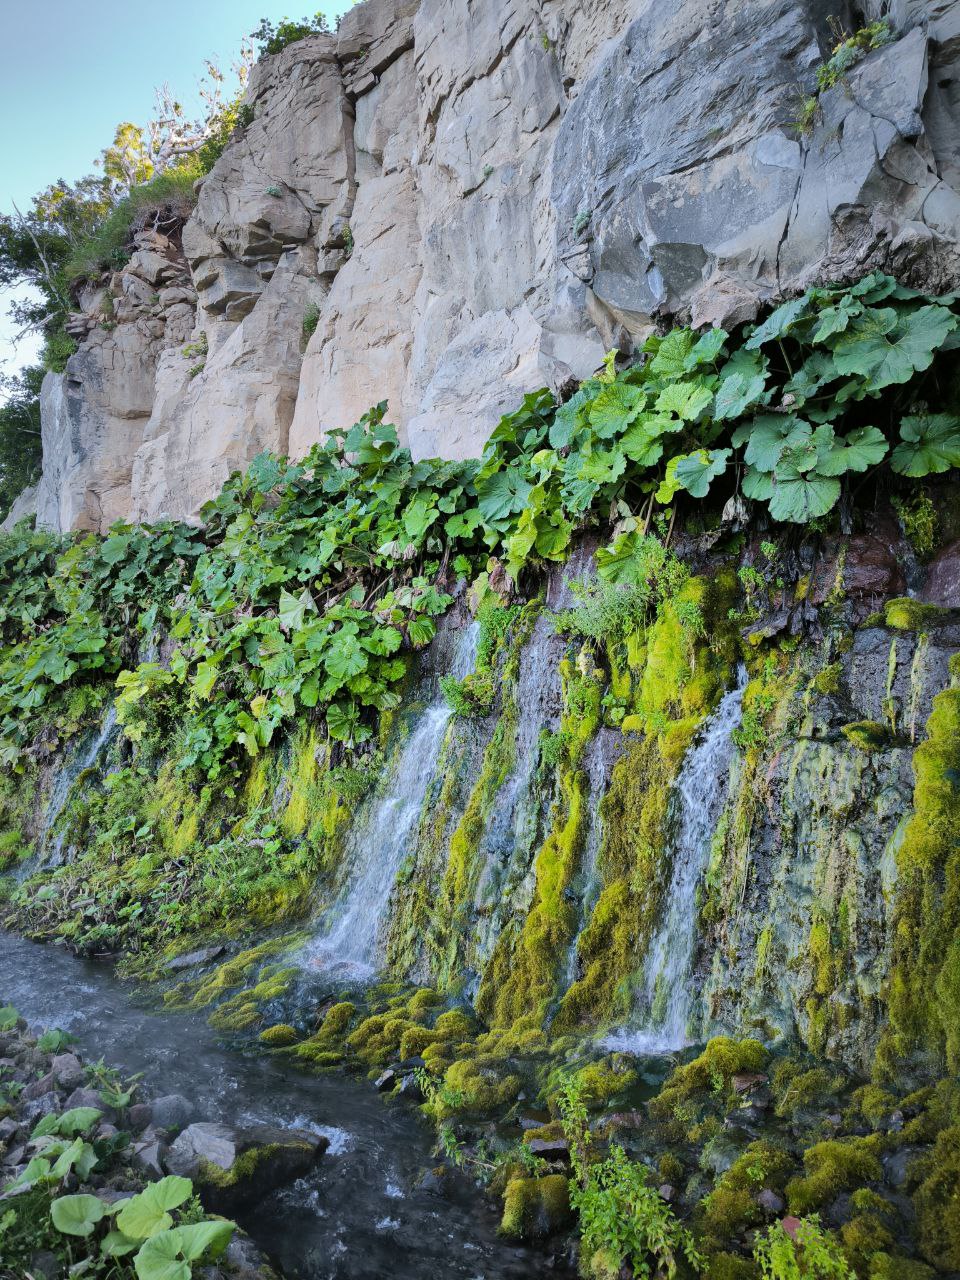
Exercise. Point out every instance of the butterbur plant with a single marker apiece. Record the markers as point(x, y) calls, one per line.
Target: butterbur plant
point(144, 1229)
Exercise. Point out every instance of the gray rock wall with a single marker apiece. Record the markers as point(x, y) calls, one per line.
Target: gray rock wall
point(476, 199)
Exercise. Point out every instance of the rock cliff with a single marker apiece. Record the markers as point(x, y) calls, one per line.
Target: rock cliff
point(450, 203)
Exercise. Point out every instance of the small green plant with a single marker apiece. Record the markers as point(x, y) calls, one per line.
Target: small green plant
point(274, 191)
point(198, 348)
point(808, 1254)
point(920, 523)
point(581, 222)
point(850, 50)
point(311, 318)
point(623, 1220)
point(348, 242)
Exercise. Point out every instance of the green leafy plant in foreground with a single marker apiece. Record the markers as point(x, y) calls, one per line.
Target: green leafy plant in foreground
point(808, 1254)
point(623, 1220)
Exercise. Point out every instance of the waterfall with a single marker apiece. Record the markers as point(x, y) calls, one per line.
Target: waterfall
point(379, 843)
point(67, 774)
point(699, 794)
point(597, 765)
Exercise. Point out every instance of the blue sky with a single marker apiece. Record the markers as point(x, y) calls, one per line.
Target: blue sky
point(71, 71)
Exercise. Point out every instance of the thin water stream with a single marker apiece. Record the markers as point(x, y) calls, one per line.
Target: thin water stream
point(380, 841)
point(667, 995)
point(361, 1214)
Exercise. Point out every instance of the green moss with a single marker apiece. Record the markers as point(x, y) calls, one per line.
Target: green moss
point(886, 1266)
point(245, 1166)
point(720, 1061)
point(923, 991)
point(905, 614)
point(832, 1167)
point(534, 1208)
point(233, 972)
point(731, 1207)
point(868, 735)
point(937, 1201)
point(520, 981)
point(828, 680)
point(477, 1085)
point(278, 1036)
point(243, 1011)
point(873, 1103)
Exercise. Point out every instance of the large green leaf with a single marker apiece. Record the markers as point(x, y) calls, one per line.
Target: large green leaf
point(767, 436)
point(686, 399)
point(930, 444)
point(201, 1238)
point(502, 494)
point(706, 350)
point(671, 353)
point(69, 1123)
point(859, 450)
point(345, 656)
point(778, 324)
point(696, 471)
point(800, 497)
point(293, 610)
point(614, 408)
point(736, 393)
point(146, 1214)
point(757, 485)
point(161, 1258)
point(884, 347)
point(77, 1215)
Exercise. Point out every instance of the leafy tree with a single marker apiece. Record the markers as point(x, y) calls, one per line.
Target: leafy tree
point(20, 451)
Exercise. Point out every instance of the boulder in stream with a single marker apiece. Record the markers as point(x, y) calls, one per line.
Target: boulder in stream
point(232, 1166)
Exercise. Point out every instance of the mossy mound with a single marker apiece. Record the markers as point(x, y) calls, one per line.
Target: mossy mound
point(535, 1208)
point(832, 1167)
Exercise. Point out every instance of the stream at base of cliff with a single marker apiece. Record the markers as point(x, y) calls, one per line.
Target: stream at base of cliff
point(361, 1214)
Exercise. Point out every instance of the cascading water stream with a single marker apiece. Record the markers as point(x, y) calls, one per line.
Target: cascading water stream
point(700, 792)
point(50, 851)
point(380, 842)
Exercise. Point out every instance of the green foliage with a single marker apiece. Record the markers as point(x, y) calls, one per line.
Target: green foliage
point(809, 1254)
point(311, 318)
point(311, 580)
point(272, 37)
point(852, 49)
point(625, 1221)
point(20, 451)
point(170, 192)
point(919, 521)
point(71, 616)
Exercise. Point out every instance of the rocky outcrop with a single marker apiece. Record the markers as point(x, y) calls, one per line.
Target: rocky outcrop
point(467, 202)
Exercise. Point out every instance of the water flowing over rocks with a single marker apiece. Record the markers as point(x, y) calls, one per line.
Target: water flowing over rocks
point(480, 200)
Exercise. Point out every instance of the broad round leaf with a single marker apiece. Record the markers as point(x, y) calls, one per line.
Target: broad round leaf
point(696, 471)
point(930, 445)
point(800, 497)
point(77, 1215)
point(857, 451)
point(160, 1258)
point(201, 1237)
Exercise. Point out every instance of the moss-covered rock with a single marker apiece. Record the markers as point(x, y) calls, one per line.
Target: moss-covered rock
point(832, 1167)
point(534, 1208)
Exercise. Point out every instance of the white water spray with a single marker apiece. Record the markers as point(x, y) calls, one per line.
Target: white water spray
point(700, 792)
point(378, 845)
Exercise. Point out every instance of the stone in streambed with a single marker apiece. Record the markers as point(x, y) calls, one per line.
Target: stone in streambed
point(172, 1111)
point(67, 1071)
point(232, 1166)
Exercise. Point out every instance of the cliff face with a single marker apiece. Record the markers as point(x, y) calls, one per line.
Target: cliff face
point(476, 200)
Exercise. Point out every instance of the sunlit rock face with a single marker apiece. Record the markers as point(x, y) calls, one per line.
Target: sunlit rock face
point(467, 202)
